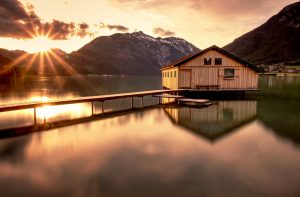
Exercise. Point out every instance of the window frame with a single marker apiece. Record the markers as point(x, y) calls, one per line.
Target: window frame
point(231, 75)
point(220, 61)
point(207, 61)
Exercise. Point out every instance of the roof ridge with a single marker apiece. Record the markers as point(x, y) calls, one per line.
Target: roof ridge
point(213, 47)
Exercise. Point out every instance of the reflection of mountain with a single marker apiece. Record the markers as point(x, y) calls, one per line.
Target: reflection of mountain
point(13, 149)
point(282, 116)
point(214, 121)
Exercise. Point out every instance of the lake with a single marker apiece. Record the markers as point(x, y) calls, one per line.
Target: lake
point(248, 147)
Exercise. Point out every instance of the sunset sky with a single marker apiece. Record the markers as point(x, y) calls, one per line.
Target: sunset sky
point(35, 25)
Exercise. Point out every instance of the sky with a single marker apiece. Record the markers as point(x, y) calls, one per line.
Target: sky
point(37, 25)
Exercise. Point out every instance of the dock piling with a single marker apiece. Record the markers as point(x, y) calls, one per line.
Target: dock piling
point(102, 107)
point(142, 102)
point(34, 116)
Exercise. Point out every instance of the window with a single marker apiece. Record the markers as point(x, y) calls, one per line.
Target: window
point(207, 61)
point(218, 61)
point(174, 73)
point(228, 73)
point(171, 73)
point(167, 74)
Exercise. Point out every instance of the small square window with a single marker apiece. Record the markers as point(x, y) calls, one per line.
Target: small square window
point(207, 61)
point(218, 61)
point(228, 73)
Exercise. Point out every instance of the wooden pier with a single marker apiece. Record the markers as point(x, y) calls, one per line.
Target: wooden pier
point(101, 98)
point(91, 99)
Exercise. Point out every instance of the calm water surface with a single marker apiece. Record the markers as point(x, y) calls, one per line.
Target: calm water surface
point(232, 148)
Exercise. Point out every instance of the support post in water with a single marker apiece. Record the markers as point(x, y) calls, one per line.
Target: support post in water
point(92, 108)
point(142, 102)
point(34, 116)
point(102, 107)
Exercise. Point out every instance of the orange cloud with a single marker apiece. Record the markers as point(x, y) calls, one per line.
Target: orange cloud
point(23, 23)
point(114, 27)
point(162, 32)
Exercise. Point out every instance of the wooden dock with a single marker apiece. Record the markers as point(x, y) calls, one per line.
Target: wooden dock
point(168, 96)
point(101, 98)
point(91, 99)
point(176, 95)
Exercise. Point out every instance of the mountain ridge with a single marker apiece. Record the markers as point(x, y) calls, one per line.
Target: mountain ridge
point(275, 41)
point(118, 54)
point(130, 53)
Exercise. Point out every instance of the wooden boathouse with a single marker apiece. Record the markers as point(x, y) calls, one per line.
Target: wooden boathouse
point(210, 69)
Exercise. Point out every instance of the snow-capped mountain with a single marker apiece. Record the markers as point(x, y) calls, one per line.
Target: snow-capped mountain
point(130, 53)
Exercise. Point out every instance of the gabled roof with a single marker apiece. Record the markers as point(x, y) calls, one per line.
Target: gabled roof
point(220, 50)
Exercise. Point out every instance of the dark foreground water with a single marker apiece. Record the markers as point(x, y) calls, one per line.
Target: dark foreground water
point(232, 148)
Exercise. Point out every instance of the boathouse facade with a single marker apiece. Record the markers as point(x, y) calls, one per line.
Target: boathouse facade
point(210, 69)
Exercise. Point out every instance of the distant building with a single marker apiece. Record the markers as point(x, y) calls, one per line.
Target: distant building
point(210, 69)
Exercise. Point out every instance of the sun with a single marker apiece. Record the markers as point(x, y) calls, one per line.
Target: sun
point(41, 44)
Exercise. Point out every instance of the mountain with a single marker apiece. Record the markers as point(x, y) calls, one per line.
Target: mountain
point(276, 41)
point(11, 54)
point(3, 61)
point(130, 54)
point(119, 54)
point(54, 63)
point(6, 71)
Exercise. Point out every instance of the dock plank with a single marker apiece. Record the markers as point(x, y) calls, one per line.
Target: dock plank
point(193, 100)
point(168, 96)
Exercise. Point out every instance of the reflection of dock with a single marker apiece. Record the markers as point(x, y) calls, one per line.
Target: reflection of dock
point(23, 130)
point(214, 121)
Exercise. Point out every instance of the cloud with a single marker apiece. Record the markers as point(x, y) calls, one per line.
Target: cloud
point(23, 23)
point(13, 9)
point(162, 32)
point(114, 27)
point(220, 8)
point(84, 30)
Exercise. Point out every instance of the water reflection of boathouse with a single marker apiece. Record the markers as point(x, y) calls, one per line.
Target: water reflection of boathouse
point(214, 121)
